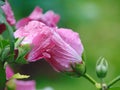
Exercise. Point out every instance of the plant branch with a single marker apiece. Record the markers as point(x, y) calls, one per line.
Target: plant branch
point(89, 78)
point(113, 81)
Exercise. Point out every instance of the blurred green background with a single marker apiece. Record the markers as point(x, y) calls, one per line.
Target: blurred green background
point(98, 23)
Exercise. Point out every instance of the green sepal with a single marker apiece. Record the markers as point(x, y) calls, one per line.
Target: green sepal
point(84, 56)
point(22, 52)
point(79, 68)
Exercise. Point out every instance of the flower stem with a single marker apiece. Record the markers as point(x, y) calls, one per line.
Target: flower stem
point(2, 76)
point(89, 78)
point(113, 81)
point(102, 84)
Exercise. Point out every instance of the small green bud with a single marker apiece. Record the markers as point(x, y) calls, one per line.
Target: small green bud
point(101, 67)
point(80, 69)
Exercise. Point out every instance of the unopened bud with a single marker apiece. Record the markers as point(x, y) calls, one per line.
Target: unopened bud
point(80, 69)
point(101, 67)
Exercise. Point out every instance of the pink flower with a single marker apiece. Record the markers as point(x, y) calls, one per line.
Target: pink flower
point(9, 72)
point(60, 47)
point(25, 85)
point(49, 18)
point(8, 12)
point(9, 16)
point(66, 51)
point(38, 36)
point(19, 84)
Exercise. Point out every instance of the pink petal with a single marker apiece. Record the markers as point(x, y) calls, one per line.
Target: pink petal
point(72, 38)
point(36, 14)
point(62, 54)
point(29, 31)
point(9, 72)
point(40, 44)
point(50, 18)
point(8, 12)
point(38, 35)
point(22, 22)
point(25, 85)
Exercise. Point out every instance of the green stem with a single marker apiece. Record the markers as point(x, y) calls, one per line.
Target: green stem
point(89, 78)
point(102, 84)
point(113, 81)
point(2, 76)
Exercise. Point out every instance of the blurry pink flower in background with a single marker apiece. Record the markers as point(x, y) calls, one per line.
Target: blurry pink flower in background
point(19, 84)
point(9, 16)
point(49, 18)
point(9, 72)
point(60, 47)
point(25, 85)
point(9, 13)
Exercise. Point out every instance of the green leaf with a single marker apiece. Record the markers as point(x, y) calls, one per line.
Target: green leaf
point(115, 88)
point(2, 19)
point(1, 3)
point(4, 43)
point(19, 76)
point(22, 52)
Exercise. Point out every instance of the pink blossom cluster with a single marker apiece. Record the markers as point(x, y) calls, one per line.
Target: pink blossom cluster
point(61, 47)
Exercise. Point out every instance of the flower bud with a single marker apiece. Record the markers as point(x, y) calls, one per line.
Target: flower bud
point(79, 69)
point(101, 67)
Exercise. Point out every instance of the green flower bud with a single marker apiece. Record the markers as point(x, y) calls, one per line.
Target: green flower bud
point(101, 67)
point(79, 69)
